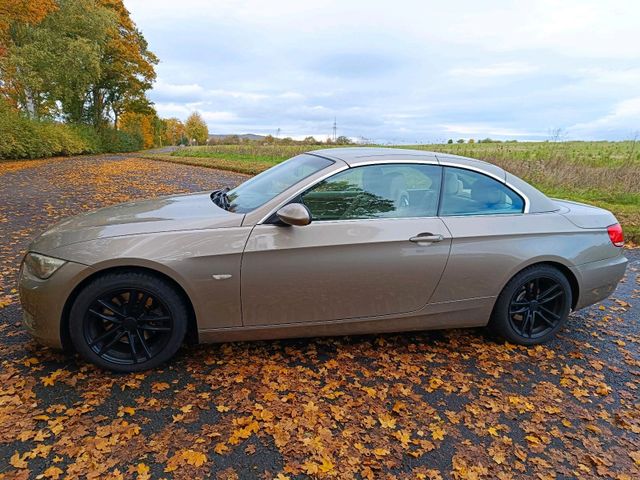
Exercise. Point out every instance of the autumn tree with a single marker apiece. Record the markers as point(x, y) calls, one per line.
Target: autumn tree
point(196, 129)
point(50, 67)
point(84, 60)
point(174, 131)
point(17, 14)
point(128, 70)
point(140, 125)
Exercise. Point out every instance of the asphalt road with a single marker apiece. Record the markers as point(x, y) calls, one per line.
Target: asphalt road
point(448, 404)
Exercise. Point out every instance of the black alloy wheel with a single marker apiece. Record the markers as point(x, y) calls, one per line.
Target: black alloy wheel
point(127, 326)
point(128, 321)
point(536, 307)
point(532, 306)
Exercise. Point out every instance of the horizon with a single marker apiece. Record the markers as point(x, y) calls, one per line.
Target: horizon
point(408, 75)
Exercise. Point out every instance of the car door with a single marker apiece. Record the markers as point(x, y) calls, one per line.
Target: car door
point(491, 235)
point(374, 247)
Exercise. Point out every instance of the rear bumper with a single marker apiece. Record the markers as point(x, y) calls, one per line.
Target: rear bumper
point(43, 301)
point(597, 280)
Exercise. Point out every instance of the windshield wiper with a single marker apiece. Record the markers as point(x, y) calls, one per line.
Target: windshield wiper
point(220, 198)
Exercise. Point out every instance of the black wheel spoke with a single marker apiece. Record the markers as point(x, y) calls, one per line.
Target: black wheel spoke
point(546, 320)
point(117, 310)
point(530, 321)
point(143, 343)
point(147, 318)
point(553, 315)
point(111, 342)
point(550, 297)
point(153, 328)
point(519, 311)
point(107, 318)
point(132, 346)
point(104, 336)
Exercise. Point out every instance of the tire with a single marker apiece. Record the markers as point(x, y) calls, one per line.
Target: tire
point(128, 321)
point(533, 306)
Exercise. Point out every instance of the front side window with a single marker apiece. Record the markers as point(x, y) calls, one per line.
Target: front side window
point(376, 191)
point(470, 193)
point(263, 187)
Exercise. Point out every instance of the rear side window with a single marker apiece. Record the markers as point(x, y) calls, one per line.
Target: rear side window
point(470, 193)
point(376, 191)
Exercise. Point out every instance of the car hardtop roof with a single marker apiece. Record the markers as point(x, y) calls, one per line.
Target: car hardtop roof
point(358, 155)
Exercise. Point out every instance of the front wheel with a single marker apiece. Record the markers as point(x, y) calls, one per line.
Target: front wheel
point(533, 306)
point(128, 321)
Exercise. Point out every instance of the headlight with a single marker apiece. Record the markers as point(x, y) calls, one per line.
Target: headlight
point(41, 265)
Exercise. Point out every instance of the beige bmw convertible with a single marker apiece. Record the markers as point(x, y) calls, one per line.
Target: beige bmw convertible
point(331, 242)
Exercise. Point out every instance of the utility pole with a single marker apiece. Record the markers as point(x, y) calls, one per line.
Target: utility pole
point(278, 133)
point(335, 129)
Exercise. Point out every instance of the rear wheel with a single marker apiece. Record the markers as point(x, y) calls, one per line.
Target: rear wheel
point(533, 306)
point(128, 321)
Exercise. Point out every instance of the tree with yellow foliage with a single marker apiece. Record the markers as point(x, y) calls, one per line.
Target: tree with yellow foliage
point(140, 125)
point(196, 129)
point(174, 133)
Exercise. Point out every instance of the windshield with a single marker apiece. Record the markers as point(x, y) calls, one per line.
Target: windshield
point(260, 189)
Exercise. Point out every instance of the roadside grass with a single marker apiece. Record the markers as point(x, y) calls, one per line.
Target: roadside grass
point(605, 174)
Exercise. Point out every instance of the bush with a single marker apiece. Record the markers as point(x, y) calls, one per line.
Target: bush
point(119, 141)
point(22, 137)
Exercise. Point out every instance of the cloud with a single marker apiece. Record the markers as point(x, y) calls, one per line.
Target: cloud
point(622, 123)
point(495, 70)
point(404, 72)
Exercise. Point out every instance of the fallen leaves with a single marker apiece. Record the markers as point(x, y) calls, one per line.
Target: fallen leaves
point(185, 457)
point(371, 407)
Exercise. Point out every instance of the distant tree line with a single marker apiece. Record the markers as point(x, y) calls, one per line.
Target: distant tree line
point(271, 140)
point(484, 140)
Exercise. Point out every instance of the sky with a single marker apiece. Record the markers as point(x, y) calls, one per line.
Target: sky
point(399, 71)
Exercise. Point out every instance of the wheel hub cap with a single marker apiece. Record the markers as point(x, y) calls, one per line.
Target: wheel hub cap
point(130, 323)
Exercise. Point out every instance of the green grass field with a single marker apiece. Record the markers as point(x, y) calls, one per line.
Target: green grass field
point(606, 174)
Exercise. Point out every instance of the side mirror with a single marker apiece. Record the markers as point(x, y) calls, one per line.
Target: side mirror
point(294, 214)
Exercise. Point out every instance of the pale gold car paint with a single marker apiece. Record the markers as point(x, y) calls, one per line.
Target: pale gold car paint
point(247, 279)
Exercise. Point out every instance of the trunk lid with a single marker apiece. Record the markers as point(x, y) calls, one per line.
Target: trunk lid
point(585, 216)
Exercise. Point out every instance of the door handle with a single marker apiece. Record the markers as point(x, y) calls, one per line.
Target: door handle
point(426, 238)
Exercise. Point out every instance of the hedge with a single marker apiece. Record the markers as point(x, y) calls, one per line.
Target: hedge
point(22, 137)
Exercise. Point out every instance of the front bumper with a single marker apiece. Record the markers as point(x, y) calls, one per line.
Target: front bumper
point(43, 301)
point(598, 280)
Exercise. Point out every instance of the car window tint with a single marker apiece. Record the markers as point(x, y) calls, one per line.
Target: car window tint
point(376, 191)
point(470, 193)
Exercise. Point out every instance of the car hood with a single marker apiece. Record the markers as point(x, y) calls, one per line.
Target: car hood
point(178, 212)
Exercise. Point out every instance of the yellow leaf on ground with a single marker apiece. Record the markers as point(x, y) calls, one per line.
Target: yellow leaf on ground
point(159, 386)
point(387, 421)
point(380, 452)
point(195, 458)
point(326, 466)
point(52, 472)
point(533, 439)
point(143, 472)
point(17, 461)
point(122, 411)
point(221, 448)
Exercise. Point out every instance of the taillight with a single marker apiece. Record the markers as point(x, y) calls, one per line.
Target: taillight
point(616, 235)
